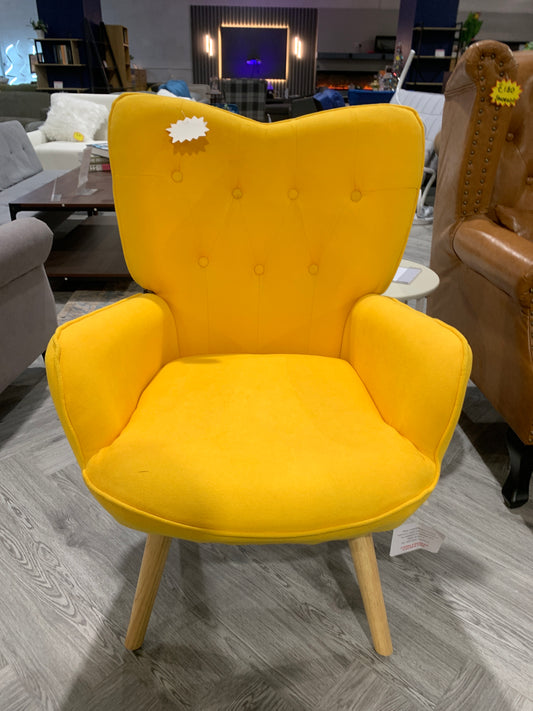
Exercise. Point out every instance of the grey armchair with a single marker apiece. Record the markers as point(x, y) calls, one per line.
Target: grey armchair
point(27, 307)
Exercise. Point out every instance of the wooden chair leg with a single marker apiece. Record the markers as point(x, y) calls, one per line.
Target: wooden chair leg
point(153, 563)
point(366, 568)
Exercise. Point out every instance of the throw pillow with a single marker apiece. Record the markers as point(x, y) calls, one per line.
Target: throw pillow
point(166, 92)
point(177, 87)
point(73, 119)
point(519, 221)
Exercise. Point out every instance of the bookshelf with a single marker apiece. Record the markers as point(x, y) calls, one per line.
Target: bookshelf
point(429, 69)
point(58, 65)
point(117, 57)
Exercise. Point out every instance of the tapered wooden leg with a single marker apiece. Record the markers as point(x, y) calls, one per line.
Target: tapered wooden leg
point(153, 562)
point(366, 568)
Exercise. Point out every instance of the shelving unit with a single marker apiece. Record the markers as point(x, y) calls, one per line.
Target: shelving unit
point(428, 71)
point(58, 65)
point(117, 57)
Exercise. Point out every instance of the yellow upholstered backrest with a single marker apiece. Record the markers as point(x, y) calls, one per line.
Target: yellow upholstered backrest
point(261, 237)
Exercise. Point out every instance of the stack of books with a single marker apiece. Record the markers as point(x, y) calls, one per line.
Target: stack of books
point(99, 157)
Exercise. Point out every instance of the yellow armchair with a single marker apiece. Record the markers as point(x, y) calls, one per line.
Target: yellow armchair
point(263, 392)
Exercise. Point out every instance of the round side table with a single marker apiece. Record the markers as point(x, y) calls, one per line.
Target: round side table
point(422, 285)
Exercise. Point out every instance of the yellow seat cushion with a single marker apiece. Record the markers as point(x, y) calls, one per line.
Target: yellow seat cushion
point(260, 449)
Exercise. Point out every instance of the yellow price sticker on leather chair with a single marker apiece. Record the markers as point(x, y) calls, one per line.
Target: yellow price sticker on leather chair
point(505, 93)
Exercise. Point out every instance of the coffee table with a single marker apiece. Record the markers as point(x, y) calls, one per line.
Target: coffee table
point(422, 285)
point(61, 194)
point(92, 248)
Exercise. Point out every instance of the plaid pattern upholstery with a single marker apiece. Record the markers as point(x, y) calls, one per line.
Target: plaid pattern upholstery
point(248, 94)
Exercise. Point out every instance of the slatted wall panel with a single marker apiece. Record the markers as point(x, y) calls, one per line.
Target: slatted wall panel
point(302, 23)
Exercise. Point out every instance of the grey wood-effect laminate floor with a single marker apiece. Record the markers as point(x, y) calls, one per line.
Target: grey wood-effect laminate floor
point(274, 628)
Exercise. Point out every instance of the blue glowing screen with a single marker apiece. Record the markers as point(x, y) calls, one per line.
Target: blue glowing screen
point(254, 52)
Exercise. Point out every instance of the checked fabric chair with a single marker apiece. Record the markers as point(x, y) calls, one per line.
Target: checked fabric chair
point(262, 391)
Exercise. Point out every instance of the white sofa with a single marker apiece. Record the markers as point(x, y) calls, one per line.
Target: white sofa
point(65, 155)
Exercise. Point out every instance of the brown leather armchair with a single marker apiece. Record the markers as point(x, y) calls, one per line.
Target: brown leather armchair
point(483, 237)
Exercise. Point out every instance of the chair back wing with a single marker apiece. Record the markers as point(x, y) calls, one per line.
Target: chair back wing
point(261, 237)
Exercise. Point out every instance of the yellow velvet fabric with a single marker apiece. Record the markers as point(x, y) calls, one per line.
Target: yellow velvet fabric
point(260, 447)
point(300, 217)
point(263, 393)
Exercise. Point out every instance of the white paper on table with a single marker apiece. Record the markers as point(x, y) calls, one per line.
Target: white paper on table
point(405, 275)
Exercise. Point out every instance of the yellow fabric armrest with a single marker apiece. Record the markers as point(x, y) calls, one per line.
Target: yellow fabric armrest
point(98, 366)
point(415, 368)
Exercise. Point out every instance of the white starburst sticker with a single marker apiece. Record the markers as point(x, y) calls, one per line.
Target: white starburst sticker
point(188, 129)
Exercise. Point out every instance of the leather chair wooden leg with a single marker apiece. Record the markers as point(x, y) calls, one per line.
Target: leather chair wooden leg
point(153, 563)
point(366, 568)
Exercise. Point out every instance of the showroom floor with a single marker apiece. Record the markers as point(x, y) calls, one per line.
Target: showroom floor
point(275, 628)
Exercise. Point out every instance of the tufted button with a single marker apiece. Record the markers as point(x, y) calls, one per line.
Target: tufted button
point(237, 193)
point(177, 176)
point(313, 269)
point(259, 269)
point(529, 180)
point(293, 194)
point(203, 261)
point(356, 195)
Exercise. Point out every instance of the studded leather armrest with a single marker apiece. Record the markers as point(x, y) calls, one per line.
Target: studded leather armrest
point(504, 258)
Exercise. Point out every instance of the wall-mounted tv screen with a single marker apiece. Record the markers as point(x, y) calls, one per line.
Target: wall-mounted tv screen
point(254, 52)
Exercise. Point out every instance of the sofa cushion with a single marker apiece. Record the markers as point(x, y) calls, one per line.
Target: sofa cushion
point(18, 159)
point(329, 99)
point(178, 87)
point(72, 119)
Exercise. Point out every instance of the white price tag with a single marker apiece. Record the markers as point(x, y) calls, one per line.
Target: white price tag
point(410, 536)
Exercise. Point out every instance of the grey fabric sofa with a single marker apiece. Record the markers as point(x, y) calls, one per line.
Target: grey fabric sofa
point(27, 107)
point(27, 306)
point(20, 168)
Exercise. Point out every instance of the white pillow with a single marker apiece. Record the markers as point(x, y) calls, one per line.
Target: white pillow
point(72, 119)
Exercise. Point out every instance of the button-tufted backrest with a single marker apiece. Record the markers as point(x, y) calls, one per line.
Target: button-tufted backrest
point(513, 185)
point(262, 236)
point(18, 159)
